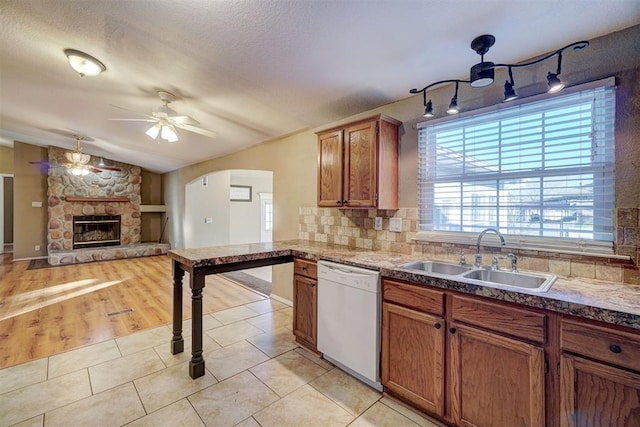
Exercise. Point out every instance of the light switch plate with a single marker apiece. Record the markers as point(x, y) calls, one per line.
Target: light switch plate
point(208, 220)
point(36, 204)
point(395, 224)
point(378, 223)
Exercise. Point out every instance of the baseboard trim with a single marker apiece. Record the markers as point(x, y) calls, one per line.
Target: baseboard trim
point(280, 299)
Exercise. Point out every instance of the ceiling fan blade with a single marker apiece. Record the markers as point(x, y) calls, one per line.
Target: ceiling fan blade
point(41, 163)
point(199, 130)
point(183, 120)
point(106, 168)
point(136, 120)
point(134, 112)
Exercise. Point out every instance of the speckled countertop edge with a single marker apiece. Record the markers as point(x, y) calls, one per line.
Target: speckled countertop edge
point(614, 303)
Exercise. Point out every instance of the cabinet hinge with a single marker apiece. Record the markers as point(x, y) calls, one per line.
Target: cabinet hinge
point(376, 197)
point(558, 369)
point(377, 129)
point(546, 366)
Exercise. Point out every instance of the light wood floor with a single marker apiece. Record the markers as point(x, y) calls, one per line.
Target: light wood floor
point(50, 310)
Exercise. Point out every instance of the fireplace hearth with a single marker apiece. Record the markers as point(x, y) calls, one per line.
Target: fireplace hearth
point(91, 231)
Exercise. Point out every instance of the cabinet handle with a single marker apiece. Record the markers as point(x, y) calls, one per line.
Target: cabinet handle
point(313, 285)
point(615, 348)
point(437, 326)
point(344, 202)
point(304, 268)
point(453, 330)
point(338, 202)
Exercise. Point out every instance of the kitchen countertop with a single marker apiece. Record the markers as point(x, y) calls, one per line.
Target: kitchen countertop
point(614, 303)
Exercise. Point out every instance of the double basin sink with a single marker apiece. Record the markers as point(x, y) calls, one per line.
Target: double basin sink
point(502, 279)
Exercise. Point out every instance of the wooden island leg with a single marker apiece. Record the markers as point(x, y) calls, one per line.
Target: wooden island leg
point(177, 342)
point(196, 282)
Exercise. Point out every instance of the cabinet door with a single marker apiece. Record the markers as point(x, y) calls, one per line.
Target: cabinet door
point(495, 381)
point(330, 169)
point(360, 169)
point(413, 356)
point(305, 305)
point(596, 394)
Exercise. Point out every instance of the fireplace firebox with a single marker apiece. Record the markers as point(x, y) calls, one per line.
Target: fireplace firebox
point(92, 231)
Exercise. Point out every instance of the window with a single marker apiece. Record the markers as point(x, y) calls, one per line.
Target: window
point(539, 171)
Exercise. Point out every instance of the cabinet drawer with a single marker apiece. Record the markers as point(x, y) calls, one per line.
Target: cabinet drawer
point(513, 321)
point(413, 296)
point(305, 268)
point(607, 345)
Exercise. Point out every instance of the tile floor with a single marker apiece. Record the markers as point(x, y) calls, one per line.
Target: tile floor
point(255, 376)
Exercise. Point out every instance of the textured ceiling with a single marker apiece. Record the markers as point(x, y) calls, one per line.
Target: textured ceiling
point(253, 70)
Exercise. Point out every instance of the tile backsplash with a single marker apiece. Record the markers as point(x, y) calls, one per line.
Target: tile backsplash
point(355, 228)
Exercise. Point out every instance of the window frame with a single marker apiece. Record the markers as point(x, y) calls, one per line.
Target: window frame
point(553, 244)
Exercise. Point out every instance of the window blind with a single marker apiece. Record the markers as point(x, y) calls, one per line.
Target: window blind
point(542, 172)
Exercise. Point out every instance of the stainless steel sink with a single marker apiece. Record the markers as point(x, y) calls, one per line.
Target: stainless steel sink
point(537, 282)
point(437, 267)
point(529, 281)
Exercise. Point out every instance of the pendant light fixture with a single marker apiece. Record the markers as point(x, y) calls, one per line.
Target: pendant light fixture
point(482, 74)
point(83, 63)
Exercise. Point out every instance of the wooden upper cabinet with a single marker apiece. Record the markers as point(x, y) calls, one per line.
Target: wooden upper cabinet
point(330, 168)
point(358, 164)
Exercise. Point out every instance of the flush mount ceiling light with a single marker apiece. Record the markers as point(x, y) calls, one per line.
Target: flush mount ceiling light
point(83, 63)
point(482, 74)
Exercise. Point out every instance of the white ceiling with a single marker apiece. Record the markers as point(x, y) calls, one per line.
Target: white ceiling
point(253, 70)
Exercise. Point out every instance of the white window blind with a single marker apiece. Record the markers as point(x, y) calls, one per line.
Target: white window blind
point(541, 172)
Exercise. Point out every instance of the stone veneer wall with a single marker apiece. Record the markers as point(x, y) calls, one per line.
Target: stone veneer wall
point(62, 184)
point(354, 228)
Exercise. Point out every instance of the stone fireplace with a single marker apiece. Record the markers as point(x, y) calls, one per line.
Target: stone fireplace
point(104, 199)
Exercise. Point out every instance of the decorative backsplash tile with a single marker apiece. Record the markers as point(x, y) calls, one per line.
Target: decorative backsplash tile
point(355, 228)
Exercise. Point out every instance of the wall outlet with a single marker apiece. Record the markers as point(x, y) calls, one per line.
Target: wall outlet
point(208, 220)
point(377, 224)
point(37, 247)
point(395, 224)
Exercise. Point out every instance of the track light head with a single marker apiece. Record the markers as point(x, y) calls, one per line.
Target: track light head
point(428, 109)
point(453, 106)
point(509, 92)
point(555, 84)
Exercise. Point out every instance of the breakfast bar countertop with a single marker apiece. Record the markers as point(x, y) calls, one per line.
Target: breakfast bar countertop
point(609, 302)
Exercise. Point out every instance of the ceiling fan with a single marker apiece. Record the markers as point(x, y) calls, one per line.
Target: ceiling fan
point(78, 162)
point(165, 121)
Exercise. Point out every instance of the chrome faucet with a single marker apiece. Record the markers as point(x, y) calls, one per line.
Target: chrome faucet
point(482, 233)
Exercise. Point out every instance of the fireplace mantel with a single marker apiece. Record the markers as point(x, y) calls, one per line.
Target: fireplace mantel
point(96, 199)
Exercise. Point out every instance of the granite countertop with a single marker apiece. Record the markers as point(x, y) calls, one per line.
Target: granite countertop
point(614, 303)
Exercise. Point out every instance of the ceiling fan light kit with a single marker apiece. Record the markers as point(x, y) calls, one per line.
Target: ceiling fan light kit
point(482, 74)
point(83, 63)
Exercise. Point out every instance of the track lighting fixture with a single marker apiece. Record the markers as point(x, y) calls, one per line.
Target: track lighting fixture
point(482, 74)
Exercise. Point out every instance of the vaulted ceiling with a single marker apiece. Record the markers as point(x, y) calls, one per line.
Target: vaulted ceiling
point(252, 70)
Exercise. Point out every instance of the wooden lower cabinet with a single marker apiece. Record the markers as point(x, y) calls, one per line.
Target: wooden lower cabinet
point(595, 394)
point(305, 303)
point(413, 356)
point(495, 380)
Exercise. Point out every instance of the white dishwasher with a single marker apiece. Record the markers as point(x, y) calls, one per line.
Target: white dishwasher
point(349, 319)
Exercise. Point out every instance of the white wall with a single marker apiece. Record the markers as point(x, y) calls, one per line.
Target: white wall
point(212, 202)
point(245, 220)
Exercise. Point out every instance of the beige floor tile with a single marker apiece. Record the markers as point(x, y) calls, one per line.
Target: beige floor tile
point(180, 413)
point(36, 399)
point(274, 343)
point(235, 314)
point(164, 350)
point(81, 358)
point(208, 322)
point(380, 415)
point(229, 361)
point(114, 407)
point(249, 422)
point(266, 306)
point(314, 358)
point(234, 332)
point(287, 372)
point(144, 340)
point(32, 422)
point(124, 369)
point(346, 391)
point(410, 413)
point(23, 375)
point(304, 407)
point(170, 385)
point(272, 321)
point(232, 400)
